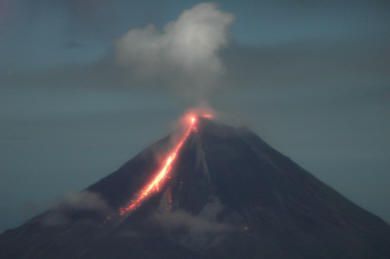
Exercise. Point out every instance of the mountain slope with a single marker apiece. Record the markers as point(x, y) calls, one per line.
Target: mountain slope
point(230, 195)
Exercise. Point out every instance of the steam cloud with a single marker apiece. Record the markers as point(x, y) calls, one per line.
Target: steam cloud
point(184, 54)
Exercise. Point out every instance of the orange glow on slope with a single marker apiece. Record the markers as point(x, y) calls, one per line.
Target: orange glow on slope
point(207, 115)
point(163, 173)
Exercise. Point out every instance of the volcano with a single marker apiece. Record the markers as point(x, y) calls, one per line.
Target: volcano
point(224, 193)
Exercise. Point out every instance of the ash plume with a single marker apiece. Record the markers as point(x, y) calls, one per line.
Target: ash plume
point(184, 54)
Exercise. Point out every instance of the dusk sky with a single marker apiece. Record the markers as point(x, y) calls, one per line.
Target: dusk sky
point(78, 99)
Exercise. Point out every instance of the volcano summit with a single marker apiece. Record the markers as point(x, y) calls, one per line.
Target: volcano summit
point(212, 191)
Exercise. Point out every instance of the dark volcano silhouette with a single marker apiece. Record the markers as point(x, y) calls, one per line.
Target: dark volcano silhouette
point(230, 196)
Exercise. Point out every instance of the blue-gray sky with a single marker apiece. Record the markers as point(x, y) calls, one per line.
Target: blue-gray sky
point(310, 77)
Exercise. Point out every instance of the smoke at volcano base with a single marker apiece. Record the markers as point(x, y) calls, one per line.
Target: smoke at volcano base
point(80, 201)
point(195, 231)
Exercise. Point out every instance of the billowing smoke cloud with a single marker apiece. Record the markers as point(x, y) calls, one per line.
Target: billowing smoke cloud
point(185, 54)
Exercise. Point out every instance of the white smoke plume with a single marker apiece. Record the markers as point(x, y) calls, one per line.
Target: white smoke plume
point(184, 54)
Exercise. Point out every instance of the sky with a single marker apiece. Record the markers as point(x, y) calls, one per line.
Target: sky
point(312, 78)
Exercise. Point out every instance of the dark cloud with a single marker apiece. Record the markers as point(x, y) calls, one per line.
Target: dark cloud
point(310, 62)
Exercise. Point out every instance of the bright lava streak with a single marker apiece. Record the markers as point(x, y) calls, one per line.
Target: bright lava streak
point(163, 173)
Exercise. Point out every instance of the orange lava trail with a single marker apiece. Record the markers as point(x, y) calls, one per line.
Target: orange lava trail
point(162, 174)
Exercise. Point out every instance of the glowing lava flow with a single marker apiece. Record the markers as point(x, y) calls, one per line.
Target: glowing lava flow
point(162, 174)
